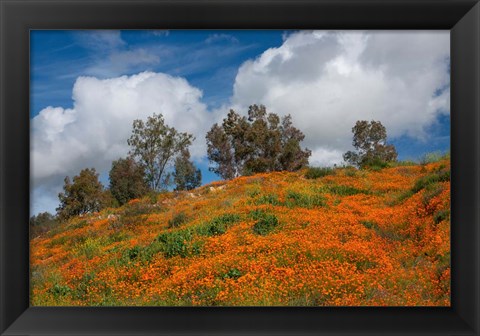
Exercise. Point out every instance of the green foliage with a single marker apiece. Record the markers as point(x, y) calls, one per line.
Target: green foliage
point(296, 199)
point(316, 172)
point(257, 214)
point(84, 195)
point(344, 190)
point(428, 180)
point(430, 192)
point(433, 157)
point(177, 220)
point(233, 273)
point(441, 215)
point(350, 171)
point(90, 248)
point(267, 199)
point(82, 290)
point(133, 253)
point(369, 224)
point(42, 223)
point(388, 233)
point(78, 224)
point(265, 224)
point(177, 243)
point(370, 141)
point(261, 142)
point(155, 145)
point(186, 176)
point(375, 164)
point(218, 225)
point(108, 201)
point(59, 291)
point(127, 180)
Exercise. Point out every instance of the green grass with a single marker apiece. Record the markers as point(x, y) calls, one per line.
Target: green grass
point(441, 215)
point(317, 172)
point(425, 181)
point(177, 220)
point(218, 225)
point(343, 190)
point(265, 224)
point(296, 199)
point(175, 243)
point(267, 199)
point(429, 182)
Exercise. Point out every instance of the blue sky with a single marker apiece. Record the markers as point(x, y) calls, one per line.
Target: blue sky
point(87, 85)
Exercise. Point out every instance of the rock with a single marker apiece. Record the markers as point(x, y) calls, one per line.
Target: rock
point(222, 187)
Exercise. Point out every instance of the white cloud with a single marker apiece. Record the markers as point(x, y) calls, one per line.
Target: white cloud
point(119, 62)
point(112, 56)
point(98, 40)
point(215, 38)
point(95, 131)
point(329, 80)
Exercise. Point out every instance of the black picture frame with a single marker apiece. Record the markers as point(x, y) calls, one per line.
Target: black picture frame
point(17, 17)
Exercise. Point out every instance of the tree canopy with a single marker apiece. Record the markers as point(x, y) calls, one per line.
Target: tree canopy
point(370, 142)
point(261, 142)
point(154, 144)
point(127, 180)
point(83, 196)
point(186, 176)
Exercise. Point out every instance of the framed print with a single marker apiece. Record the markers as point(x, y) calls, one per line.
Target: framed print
point(239, 168)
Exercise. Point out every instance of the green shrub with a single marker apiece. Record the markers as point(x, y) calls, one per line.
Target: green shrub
point(430, 192)
point(175, 243)
point(369, 224)
point(59, 291)
point(78, 225)
point(177, 220)
point(265, 225)
point(375, 164)
point(432, 157)
point(218, 225)
point(423, 182)
point(316, 172)
point(343, 190)
point(267, 199)
point(133, 253)
point(82, 289)
point(233, 273)
point(90, 248)
point(429, 182)
point(391, 234)
point(441, 215)
point(296, 199)
point(351, 171)
point(257, 214)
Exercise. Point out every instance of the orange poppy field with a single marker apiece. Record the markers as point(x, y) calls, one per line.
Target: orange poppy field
point(345, 237)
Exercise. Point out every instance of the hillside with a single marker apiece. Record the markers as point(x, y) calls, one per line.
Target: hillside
point(351, 237)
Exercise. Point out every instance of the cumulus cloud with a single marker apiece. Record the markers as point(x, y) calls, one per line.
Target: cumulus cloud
point(95, 131)
point(329, 80)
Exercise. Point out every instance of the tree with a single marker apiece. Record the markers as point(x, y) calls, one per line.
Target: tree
point(84, 195)
point(155, 145)
point(370, 140)
point(127, 180)
point(260, 143)
point(41, 223)
point(186, 176)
